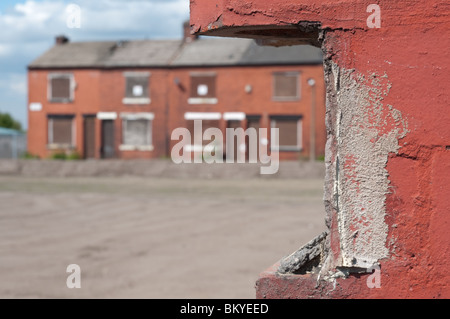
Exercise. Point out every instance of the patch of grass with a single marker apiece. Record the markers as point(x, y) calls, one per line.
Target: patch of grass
point(58, 156)
point(28, 155)
point(63, 156)
point(74, 156)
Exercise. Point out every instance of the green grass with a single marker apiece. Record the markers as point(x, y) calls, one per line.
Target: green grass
point(63, 156)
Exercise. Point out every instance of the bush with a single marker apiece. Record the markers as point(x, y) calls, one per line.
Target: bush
point(7, 121)
point(28, 155)
point(58, 156)
point(74, 156)
point(63, 156)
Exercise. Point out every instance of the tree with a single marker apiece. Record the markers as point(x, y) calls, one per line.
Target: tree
point(7, 121)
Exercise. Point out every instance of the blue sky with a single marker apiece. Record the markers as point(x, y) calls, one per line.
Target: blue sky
point(6, 3)
point(29, 27)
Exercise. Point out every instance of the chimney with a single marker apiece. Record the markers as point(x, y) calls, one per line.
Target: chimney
point(61, 39)
point(187, 36)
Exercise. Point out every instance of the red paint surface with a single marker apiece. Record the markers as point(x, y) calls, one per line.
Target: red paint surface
point(411, 48)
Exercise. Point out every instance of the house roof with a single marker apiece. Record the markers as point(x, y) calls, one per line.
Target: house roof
point(75, 54)
point(142, 53)
point(212, 51)
point(296, 54)
point(173, 53)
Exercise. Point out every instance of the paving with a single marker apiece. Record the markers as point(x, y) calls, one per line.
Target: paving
point(147, 237)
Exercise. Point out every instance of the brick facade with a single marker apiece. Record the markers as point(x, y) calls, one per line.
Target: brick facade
point(100, 93)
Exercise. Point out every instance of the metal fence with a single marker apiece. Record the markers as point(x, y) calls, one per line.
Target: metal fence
point(13, 144)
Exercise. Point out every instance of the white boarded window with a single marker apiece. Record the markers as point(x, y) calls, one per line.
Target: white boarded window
point(286, 86)
point(137, 131)
point(289, 133)
point(61, 87)
point(203, 88)
point(61, 131)
point(137, 88)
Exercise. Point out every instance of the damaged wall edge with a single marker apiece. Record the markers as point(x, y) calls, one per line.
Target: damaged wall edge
point(385, 193)
point(305, 32)
point(355, 116)
point(306, 259)
point(357, 151)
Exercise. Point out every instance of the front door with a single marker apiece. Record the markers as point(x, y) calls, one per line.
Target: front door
point(233, 144)
point(89, 136)
point(108, 149)
point(253, 122)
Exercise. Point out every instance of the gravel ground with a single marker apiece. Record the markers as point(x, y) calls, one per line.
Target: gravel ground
point(150, 237)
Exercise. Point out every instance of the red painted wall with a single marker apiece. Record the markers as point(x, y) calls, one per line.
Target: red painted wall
point(411, 50)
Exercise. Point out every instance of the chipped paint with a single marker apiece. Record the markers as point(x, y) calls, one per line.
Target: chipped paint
point(366, 131)
point(410, 205)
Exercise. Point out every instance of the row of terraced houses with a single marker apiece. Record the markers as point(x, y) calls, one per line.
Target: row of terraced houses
point(122, 99)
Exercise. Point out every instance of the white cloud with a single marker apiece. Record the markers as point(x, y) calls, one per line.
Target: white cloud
point(18, 83)
point(30, 20)
point(5, 50)
point(29, 28)
point(35, 12)
point(34, 24)
point(145, 18)
point(15, 83)
point(34, 21)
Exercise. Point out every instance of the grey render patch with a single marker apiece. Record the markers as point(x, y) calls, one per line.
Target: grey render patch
point(366, 131)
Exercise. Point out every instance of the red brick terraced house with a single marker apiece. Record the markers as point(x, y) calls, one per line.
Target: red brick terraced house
point(123, 99)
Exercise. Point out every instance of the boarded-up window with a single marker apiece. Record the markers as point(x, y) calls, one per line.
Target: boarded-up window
point(60, 130)
point(289, 133)
point(137, 86)
point(60, 88)
point(286, 86)
point(137, 132)
point(203, 86)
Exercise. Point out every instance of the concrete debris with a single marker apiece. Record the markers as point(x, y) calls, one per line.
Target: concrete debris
point(297, 261)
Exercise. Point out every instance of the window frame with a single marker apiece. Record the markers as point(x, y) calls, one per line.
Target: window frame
point(145, 100)
point(288, 148)
point(125, 117)
point(295, 74)
point(199, 99)
point(72, 84)
point(50, 134)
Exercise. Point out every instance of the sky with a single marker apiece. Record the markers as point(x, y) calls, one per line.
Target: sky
point(28, 29)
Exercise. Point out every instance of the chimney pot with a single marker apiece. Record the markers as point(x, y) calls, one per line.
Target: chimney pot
point(61, 39)
point(187, 36)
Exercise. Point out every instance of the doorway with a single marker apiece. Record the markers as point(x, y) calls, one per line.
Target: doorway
point(108, 147)
point(89, 136)
point(233, 145)
point(253, 121)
